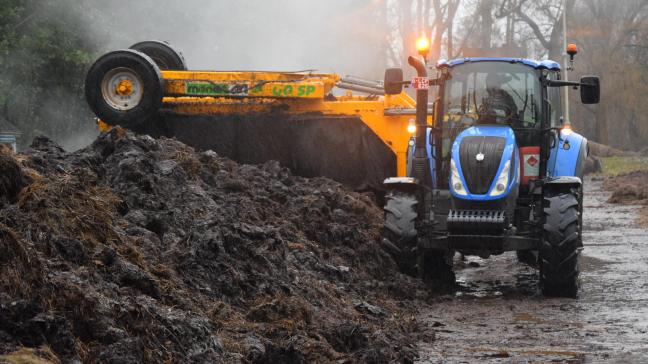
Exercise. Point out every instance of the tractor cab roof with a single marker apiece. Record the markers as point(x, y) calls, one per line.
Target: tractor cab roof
point(546, 64)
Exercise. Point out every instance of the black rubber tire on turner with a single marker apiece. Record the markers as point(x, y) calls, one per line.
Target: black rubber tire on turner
point(163, 54)
point(152, 87)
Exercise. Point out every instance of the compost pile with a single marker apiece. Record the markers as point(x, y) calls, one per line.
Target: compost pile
point(142, 250)
point(630, 188)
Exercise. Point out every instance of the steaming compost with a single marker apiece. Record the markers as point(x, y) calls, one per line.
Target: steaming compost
point(141, 250)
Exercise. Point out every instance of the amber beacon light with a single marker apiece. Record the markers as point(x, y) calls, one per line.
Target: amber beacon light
point(572, 50)
point(423, 46)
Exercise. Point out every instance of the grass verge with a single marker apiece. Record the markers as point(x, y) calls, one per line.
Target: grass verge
point(615, 166)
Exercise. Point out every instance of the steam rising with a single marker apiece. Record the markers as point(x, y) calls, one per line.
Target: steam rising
point(343, 36)
point(340, 36)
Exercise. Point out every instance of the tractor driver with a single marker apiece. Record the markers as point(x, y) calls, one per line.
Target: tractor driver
point(498, 107)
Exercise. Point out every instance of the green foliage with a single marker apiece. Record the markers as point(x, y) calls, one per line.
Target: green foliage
point(44, 53)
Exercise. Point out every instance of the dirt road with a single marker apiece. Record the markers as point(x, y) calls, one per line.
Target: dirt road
point(497, 315)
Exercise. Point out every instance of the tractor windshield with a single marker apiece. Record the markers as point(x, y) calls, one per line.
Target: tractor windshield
point(492, 93)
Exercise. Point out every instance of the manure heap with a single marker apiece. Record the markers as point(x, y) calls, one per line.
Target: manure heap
point(142, 250)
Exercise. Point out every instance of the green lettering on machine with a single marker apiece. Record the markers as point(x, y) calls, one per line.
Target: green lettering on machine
point(216, 89)
point(293, 90)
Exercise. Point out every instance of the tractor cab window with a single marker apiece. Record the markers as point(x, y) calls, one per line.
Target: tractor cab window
point(554, 100)
point(492, 93)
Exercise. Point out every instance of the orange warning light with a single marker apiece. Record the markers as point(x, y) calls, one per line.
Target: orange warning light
point(423, 46)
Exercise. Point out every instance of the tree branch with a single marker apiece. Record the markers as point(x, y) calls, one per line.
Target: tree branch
point(533, 25)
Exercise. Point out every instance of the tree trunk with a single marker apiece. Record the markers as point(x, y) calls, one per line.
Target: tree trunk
point(450, 41)
point(486, 15)
point(406, 33)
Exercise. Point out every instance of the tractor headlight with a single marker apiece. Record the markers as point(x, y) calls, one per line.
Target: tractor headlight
point(502, 180)
point(455, 180)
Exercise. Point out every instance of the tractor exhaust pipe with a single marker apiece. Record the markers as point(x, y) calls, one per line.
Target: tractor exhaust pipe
point(420, 161)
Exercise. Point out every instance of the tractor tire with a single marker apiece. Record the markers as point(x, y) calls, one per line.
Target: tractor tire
point(559, 256)
point(399, 232)
point(141, 95)
point(435, 269)
point(164, 56)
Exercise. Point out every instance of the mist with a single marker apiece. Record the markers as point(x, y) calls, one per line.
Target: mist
point(43, 75)
point(343, 36)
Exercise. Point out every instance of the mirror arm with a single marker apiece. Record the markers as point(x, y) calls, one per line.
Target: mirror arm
point(555, 83)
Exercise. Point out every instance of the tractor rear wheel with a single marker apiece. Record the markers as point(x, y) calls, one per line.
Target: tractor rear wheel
point(164, 55)
point(435, 269)
point(399, 232)
point(124, 88)
point(559, 256)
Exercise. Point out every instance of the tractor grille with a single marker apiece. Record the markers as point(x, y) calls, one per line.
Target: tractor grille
point(479, 175)
point(477, 221)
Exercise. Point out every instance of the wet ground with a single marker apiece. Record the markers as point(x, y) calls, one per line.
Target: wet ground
point(498, 315)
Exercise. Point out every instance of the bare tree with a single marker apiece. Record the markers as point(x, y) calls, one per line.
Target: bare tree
point(608, 49)
point(431, 18)
point(548, 15)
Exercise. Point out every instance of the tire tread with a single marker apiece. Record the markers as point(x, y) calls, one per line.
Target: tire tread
point(560, 255)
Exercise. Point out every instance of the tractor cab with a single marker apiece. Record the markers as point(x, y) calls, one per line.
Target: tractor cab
point(493, 92)
point(500, 115)
point(493, 113)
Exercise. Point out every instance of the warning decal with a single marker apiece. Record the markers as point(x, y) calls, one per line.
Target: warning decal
point(531, 165)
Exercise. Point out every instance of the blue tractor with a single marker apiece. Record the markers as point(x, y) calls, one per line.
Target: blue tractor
point(499, 170)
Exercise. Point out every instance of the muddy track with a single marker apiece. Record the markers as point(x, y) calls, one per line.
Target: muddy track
point(498, 315)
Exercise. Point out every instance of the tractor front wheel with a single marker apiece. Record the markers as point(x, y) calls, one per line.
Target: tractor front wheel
point(399, 232)
point(559, 256)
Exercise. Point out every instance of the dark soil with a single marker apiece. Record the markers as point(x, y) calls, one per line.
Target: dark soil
point(11, 178)
point(141, 250)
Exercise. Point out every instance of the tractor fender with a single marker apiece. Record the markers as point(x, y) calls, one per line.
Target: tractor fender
point(401, 183)
point(568, 156)
point(565, 180)
point(582, 158)
point(395, 181)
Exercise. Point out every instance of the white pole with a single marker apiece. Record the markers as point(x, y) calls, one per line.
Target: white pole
point(565, 62)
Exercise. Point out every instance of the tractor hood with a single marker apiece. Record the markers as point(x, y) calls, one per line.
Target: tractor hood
point(484, 163)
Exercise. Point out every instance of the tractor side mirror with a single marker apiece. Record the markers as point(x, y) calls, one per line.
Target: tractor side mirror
point(590, 90)
point(393, 81)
